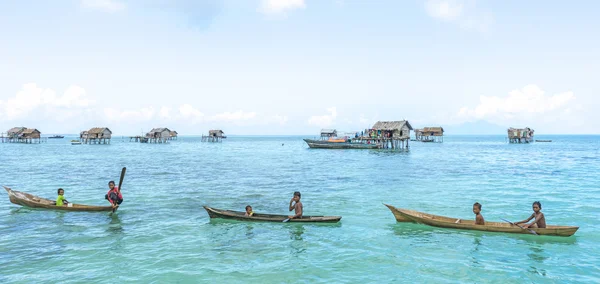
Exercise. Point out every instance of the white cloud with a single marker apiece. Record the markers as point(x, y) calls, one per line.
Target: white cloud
point(188, 111)
point(165, 112)
point(444, 9)
point(281, 6)
point(464, 12)
point(523, 104)
point(233, 116)
point(110, 6)
point(32, 100)
point(127, 116)
point(324, 120)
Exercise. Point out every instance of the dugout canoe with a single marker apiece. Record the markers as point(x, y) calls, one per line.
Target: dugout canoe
point(32, 201)
point(457, 223)
point(238, 215)
point(326, 144)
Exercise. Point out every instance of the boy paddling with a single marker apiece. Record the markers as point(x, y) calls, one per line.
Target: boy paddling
point(60, 200)
point(478, 217)
point(539, 218)
point(114, 195)
point(296, 205)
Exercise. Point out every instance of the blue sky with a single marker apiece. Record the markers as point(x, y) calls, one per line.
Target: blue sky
point(296, 66)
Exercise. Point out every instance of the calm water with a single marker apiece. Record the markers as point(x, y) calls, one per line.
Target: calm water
point(162, 234)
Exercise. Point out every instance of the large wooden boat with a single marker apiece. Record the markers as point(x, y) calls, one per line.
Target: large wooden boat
point(338, 144)
point(456, 223)
point(30, 200)
point(237, 215)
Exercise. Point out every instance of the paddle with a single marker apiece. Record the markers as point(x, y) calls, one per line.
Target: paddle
point(120, 183)
point(286, 220)
point(530, 230)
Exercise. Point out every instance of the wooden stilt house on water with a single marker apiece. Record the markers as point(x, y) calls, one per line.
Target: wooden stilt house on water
point(22, 135)
point(430, 134)
point(388, 134)
point(520, 135)
point(159, 135)
point(96, 135)
point(214, 136)
point(173, 135)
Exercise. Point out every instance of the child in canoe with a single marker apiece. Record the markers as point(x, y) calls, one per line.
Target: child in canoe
point(249, 211)
point(478, 217)
point(539, 218)
point(296, 205)
point(114, 195)
point(60, 200)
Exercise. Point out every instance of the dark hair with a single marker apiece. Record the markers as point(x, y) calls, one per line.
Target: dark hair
point(478, 205)
point(58, 191)
point(297, 193)
point(538, 204)
point(248, 206)
point(112, 181)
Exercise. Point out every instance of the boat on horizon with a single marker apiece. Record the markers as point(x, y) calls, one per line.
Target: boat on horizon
point(56, 137)
point(241, 216)
point(404, 215)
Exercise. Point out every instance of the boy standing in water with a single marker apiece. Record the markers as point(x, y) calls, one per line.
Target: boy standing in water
point(60, 200)
point(540, 219)
point(478, 217)
point(114, 195)
point(296, 205)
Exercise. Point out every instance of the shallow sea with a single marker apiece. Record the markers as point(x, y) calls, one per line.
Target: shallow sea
point(161, 233)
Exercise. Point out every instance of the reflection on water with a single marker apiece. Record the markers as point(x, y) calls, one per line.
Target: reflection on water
point(298, 245)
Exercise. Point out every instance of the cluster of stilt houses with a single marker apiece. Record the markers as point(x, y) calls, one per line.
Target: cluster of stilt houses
point(382, 135)
point(22, 135)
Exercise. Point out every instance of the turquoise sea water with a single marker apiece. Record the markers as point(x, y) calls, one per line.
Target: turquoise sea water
point(161, 233)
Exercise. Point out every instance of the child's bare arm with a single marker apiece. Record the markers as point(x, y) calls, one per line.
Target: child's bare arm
point(526, 220)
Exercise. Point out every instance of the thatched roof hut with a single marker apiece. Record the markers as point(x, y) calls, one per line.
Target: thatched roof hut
point(160, 132)
point(31, 133)
point(397, 129)
point(216, 133)
point(173, 133)
point(15, 131)
point(99, 132)
point(432, 131)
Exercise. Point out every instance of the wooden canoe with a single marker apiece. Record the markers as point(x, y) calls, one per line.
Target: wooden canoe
point(30, 200)
point(456, 223)
point(237, 215)
point(325, 144)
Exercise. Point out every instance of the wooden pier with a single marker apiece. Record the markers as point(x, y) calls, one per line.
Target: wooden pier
point(214, 136)
point(138, 138)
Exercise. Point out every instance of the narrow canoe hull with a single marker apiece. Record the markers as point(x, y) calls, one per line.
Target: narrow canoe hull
point(32, 201)
point(324, 144)
point(257, 217)
point(456, 223)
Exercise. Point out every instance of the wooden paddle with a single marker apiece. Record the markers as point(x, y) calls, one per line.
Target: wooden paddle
point(286, 220)
point(530, 230)
point(120, 183)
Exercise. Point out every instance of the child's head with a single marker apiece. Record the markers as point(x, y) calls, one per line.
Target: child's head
point(537, 206)
point(111, 184)
point(248, 208)
point(61, 191)
point(297, 196)
point(476, 208)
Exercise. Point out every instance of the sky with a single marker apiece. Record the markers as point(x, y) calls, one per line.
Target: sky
point(285, 67)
